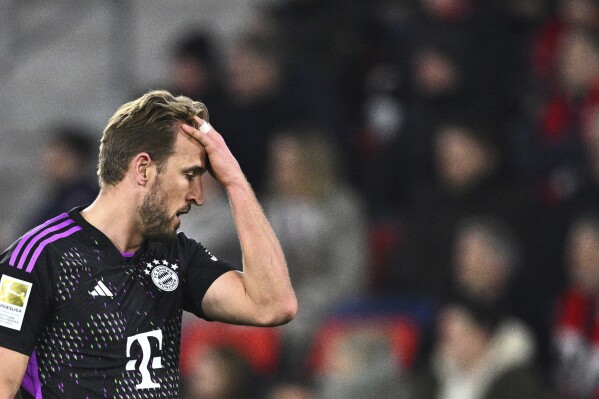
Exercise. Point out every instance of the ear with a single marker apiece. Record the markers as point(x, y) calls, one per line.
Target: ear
point(143, 168)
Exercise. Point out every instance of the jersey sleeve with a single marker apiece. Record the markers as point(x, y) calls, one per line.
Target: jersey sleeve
point(25, 298)
point(202, 269)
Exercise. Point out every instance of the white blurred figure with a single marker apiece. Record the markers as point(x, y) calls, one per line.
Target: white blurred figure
point(321, 225)
point(479, 354)
point(359, 365)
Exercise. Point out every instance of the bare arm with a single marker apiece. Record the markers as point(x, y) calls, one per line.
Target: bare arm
point(262, 294)
point(12, 368)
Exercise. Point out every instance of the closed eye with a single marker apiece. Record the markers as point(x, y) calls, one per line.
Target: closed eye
point(194, 172)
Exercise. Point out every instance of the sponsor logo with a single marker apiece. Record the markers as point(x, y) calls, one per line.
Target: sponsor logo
point(163, 274)
point(147, 361)
point(14, 295)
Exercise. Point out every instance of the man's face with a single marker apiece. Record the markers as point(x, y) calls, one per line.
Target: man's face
point(480, 268)
point(461, 159)
point(583, 258)
point(174, 190)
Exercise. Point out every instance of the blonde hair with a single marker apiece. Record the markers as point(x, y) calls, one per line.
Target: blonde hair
point(147, 124)
point(318, 168)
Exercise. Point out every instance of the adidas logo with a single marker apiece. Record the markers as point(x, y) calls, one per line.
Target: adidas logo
point(101, 290)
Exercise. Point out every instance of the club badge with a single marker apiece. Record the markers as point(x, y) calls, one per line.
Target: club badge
point(163, 274)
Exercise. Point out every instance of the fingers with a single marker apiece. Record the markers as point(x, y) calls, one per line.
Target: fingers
point(195, 134)
point(189, 130)
point(204, 129)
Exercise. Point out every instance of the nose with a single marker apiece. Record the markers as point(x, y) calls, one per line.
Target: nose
point(196, 192)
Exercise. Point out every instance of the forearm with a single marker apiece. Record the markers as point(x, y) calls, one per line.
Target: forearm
point(262, 294)
point(12, 369)
point(266, 279)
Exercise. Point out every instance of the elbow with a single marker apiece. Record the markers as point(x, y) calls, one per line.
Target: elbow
point(289, 311)
point(281, 314)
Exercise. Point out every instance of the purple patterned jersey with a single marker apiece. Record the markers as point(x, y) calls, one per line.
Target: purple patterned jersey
point(97, 323)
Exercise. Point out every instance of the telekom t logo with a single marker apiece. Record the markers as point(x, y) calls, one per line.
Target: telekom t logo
point(143, 340)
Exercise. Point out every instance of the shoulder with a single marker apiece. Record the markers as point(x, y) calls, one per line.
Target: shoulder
point(27, 250)
point(187, 245)
point(181, 247)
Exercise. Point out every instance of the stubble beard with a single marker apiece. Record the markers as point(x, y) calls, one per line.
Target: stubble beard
point(156, 221)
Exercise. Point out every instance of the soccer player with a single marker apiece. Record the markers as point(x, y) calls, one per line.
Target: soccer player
point(101, 289)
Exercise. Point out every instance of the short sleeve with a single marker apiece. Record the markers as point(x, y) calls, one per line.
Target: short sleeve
point(202, 269)
point(25, 297)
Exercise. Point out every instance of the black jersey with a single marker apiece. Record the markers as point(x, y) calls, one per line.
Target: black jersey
point(97, 323)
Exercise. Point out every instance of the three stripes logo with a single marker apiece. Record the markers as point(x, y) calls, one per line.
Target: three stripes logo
point(101, 290)
point(32, 244)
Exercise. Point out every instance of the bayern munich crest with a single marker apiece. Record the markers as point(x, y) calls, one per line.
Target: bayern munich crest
point(163, 274)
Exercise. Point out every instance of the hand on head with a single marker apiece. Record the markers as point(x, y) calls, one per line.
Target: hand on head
point(220, 161)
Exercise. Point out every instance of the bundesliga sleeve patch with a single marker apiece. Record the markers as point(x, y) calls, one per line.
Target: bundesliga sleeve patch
point(14, 294)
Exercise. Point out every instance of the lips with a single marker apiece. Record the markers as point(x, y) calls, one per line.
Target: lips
point(183, 212)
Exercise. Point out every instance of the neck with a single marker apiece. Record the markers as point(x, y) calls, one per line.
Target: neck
point(115, 215)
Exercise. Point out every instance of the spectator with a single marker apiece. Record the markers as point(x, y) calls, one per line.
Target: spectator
point(66, 164)
point(193, 68)
point(486, 259)
point(488, 266)
point(265, 95)
point(470, 180)
point(337, 44)
point(456, 50)
point(586, 197)
point(557, 153)
point(321, 226)
point(254, 92)
point(339, 55)
point(551, 155)
point(582, 200)
point(576, 334)
point(480, 354)
point(571, 14)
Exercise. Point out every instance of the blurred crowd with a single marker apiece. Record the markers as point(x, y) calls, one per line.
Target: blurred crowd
point(431, 168)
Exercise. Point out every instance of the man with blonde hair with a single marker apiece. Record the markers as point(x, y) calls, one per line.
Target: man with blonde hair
point(106, 283)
